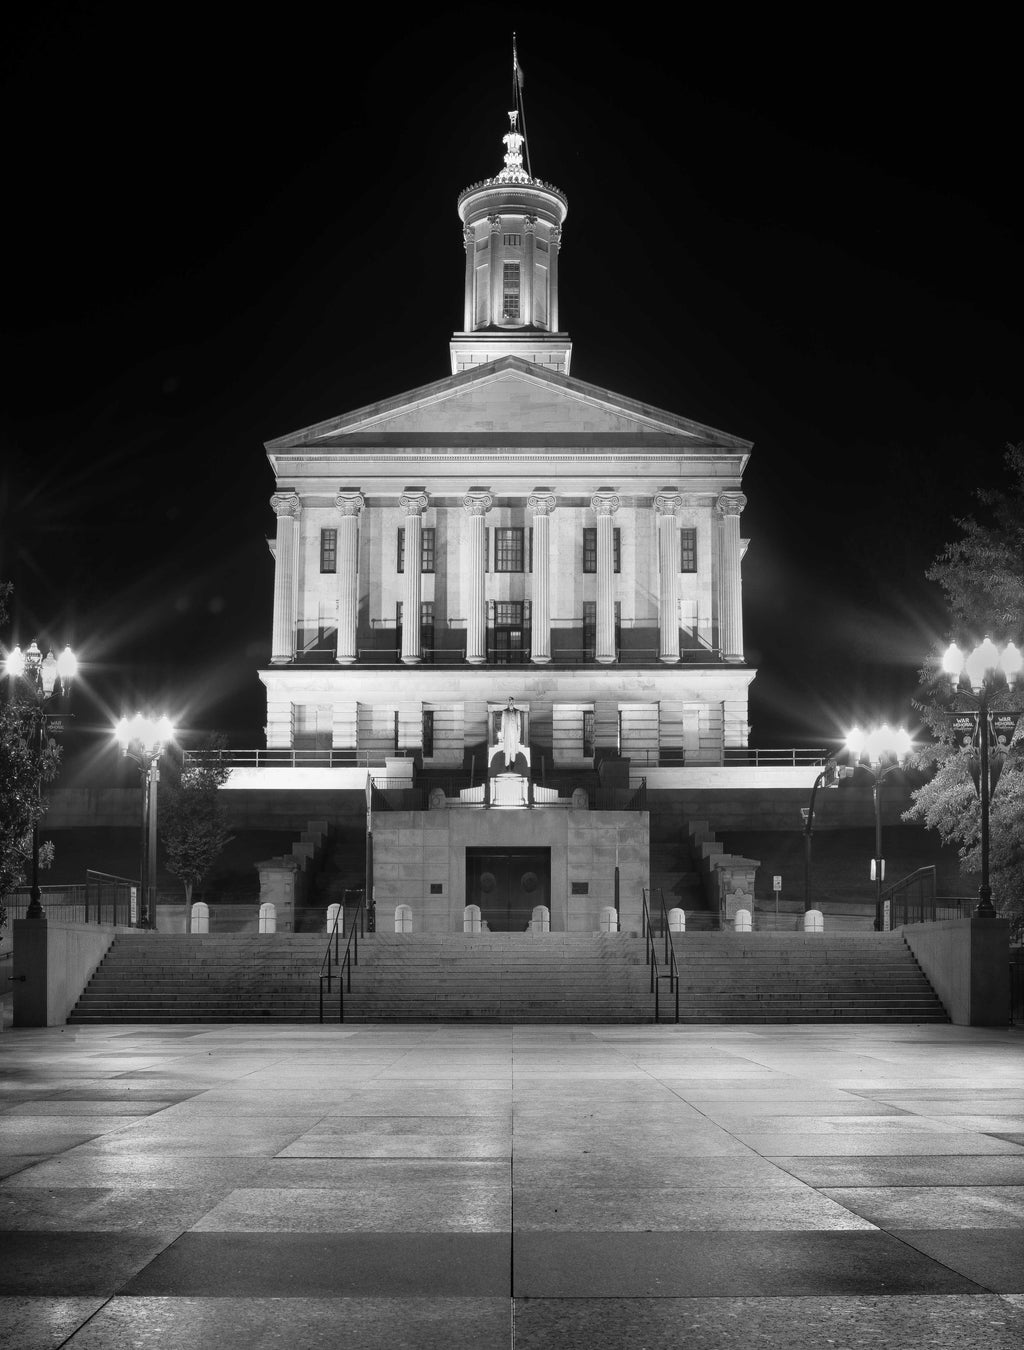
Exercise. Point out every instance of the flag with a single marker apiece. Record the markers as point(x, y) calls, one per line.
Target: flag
point(517, 69)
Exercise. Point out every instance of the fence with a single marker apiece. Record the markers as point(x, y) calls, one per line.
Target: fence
point(102, 899)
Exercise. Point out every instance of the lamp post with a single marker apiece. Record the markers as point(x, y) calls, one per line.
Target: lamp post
point(143, 739)
point(44, 678)
point(881, 751)
point(828, 778)
point(989, 672)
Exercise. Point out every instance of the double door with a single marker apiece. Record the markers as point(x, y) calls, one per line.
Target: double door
point(508, 884)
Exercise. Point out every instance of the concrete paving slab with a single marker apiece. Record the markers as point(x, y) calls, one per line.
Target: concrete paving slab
point(934, 1206)
point(862, 1322)
point(330, 1265)
point(992, 1257)
point(457, 1323)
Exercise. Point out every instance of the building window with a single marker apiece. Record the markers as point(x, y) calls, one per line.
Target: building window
point(508, 549)
point(512, 240)
point(509, 645)
point(328, 550)
point(688, 549)
point(590, 549)
point(427, 549)
point(588, 733)
point(510, 291)
point(428, 735)
point(590, 628)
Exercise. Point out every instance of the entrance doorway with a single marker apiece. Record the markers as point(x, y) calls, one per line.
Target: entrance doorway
point(507, 884)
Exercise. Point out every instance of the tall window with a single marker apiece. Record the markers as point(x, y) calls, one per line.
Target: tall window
point(508, 549)
point(328, 550)
point(688, 549)
point(590, 628)
point(427, 549)
point(428, 735)
point(510, 291)
point(590, 549)
point(509, 645)
point(588, 733)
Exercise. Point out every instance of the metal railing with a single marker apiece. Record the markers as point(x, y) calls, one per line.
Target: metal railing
point(913, 900)
point(102, 899)
point(337, 964)
point(290, 758)
point(651, 943)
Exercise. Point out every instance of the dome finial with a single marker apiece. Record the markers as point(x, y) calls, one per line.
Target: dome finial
point(513, 172)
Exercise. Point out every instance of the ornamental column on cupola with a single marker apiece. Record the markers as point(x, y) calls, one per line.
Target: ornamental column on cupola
point(512, 233)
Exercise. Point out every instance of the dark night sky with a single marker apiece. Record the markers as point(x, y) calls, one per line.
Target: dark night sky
point(220, 231)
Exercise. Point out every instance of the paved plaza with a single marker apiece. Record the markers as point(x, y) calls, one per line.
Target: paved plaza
point(610, 1187)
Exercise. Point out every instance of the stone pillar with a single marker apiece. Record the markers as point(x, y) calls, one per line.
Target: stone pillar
point(494, 269)
point(529, 266)
point(666, 504)
point(414, 505)
point(730, 590)
point(349, 505)
point(469, 239)
point(605, 504)
point(541, 504)
point(477, 504)
point(287, 508)
point(555, 242)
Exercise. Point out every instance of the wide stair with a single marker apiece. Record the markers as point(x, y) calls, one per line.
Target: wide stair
point(511, 978)
point(797, 977)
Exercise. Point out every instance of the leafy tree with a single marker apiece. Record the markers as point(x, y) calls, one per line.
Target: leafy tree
point(982, 577)
point(24, 765)
point(192, 826)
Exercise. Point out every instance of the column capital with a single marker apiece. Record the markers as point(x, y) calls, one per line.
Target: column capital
point(286, 504)
point(495, 223)
point(555, 236)
point(730, 503)
point(529, 224)
point(667, 503)
point(604, 503)
point(350, 503)
point(413, 503)
point(477, 503)
point(542, 503)
point(468, 237)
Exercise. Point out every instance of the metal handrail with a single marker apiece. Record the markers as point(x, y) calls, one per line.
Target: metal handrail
point(342, 962)
point(925, 906)
point(669, 955)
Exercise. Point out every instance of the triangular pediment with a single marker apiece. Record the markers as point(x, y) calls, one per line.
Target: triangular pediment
point(513, 402)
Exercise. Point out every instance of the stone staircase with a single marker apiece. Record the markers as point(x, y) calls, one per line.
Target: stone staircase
point(798, 977)
point(510, 978)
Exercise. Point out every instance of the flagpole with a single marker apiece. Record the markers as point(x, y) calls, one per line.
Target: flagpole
point(517, 89)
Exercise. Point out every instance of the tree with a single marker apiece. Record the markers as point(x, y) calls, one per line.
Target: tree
point(982, 576)
point(192, 824)
point(26, 761)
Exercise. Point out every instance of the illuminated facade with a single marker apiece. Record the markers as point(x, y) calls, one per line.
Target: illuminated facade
point(507, 532)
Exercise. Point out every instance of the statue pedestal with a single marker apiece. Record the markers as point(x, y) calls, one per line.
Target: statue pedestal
point(510, 789)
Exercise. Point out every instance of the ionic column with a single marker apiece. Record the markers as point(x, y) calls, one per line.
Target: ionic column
point(287, 508)
point(469, 239)
point(476, 504)
point(665, 506)
point(349, 505)
point(729, 506)
point(494, 268)
point(605, 505)
point(555, 240)
point(541, 504)
point(414, 505)
point(529, 265)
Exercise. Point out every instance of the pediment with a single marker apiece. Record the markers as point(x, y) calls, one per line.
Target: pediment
point(510, 402)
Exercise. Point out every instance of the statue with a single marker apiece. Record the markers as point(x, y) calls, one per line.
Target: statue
point(510, 733)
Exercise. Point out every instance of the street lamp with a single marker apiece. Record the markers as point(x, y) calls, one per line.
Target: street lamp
point(988, 732)
point(143, 739)
point(881, 751)
point(43, 677)
point(828, 778)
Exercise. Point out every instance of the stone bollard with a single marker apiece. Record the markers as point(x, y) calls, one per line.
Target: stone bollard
point(403, 918)
point(268, 917)
point(677, 920)
point(540, 921)
point(609, 921)
point(742, 923)
point(332, 916)
point(814, 921)
point(200, 917)
point(471, 919)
